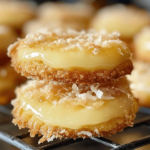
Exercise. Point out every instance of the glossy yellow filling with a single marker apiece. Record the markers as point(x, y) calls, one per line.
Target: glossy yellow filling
point(107, 58)
point(75, 117)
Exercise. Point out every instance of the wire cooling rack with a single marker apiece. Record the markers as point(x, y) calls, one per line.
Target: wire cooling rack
point(19, 142)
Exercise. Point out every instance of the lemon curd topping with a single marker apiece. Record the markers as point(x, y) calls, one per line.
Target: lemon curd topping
point(75, 118)
point(74, 106)
point(71, 49)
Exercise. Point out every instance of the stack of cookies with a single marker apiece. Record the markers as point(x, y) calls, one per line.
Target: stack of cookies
point(79, 88)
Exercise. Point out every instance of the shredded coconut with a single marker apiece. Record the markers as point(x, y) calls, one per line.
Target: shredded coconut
point(70, 39)
point(95, 51)
point(51, 138)
point(63, 131)
point(79, 46)
point(108, 43)
point(41, 38)
point(93, 88)
point(33, 38)
point(53, 90)
point(74, 88)
point(89, 134)
point(99, 94)
point(86, 96)
point(96, 131)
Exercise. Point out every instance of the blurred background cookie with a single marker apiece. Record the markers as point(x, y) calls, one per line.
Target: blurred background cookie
point(127, 20)
point(142, 45)
point(140, 82)
point(77, 14)
point(36, 24)
point(9, 79)
point(140, 77)
point(7, 37)
point(16, 13)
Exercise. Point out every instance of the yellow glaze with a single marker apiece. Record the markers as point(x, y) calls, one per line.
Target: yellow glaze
point(76, 117)
point(107, 58)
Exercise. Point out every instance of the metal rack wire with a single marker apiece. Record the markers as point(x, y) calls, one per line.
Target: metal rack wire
point(18, 140)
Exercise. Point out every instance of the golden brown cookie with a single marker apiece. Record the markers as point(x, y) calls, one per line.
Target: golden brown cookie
point(63, 110)
point(71, 56)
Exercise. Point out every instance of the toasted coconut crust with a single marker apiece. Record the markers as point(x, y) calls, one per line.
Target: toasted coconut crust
point(40, 71)
point(36, 126)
